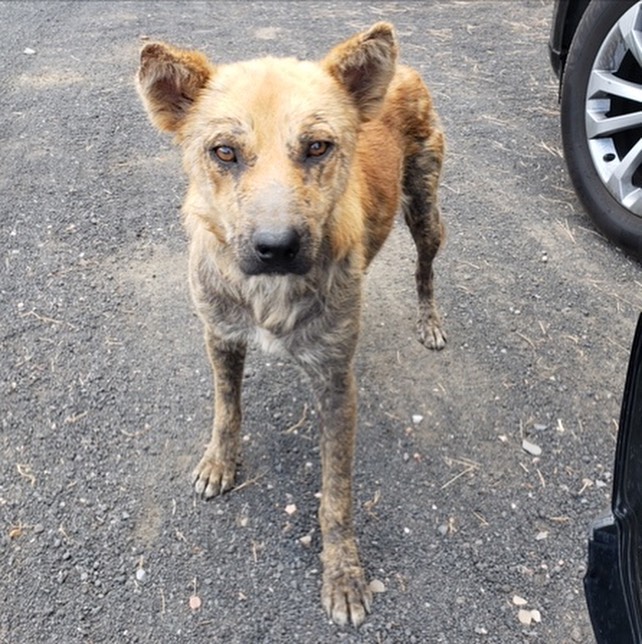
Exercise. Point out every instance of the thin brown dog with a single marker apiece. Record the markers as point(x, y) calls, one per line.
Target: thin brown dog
point(296, 171)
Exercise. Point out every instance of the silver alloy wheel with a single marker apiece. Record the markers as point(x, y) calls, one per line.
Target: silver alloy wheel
point(614, 111)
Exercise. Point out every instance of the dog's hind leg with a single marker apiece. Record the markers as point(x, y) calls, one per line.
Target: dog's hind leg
point(215, 472)
point(421, 212)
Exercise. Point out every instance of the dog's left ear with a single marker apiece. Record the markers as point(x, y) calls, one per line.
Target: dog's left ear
point(364, 66)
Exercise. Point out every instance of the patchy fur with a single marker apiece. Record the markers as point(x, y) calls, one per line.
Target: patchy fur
point(296, 171)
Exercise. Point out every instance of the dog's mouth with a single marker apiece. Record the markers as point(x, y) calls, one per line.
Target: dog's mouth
point(253, 267)
point(283, 251)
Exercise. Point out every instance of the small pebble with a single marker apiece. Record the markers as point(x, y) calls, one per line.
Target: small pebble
point(531, 448)
point(141, 574)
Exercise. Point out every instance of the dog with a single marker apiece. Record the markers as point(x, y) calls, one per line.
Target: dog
point(296, 172)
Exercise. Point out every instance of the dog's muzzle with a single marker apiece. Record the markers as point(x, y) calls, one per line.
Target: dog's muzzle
point(275, 251)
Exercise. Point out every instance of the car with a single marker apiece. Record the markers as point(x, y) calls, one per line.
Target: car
point(595, 49)
point(613, 580)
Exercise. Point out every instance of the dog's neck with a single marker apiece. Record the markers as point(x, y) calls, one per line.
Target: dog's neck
point(279, 305)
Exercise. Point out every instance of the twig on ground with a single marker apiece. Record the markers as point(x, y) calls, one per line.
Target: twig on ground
point(248, 482)
point(300, 422)
point(25, 472)
point(469, 466)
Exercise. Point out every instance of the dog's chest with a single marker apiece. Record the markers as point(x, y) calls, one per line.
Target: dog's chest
point(311, 318)
point(269, 313)
point(268, 342)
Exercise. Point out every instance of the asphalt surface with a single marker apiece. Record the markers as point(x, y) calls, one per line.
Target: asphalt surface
point(105, 388)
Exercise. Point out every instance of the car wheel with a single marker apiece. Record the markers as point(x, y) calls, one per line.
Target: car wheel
point(601, 118)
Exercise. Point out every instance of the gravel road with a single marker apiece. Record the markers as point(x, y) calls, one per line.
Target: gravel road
point(105, 388)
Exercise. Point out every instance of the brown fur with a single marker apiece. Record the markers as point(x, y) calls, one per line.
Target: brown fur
point(296, 171)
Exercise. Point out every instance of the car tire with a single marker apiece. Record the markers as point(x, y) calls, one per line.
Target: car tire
point(605, 206)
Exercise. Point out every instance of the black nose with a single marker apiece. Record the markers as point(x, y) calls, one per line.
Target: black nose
point(277, 249)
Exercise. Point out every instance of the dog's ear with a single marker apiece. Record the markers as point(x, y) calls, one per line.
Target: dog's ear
point(364, 66)
point(169, 81)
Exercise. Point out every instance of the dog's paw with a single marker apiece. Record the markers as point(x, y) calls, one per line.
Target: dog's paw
point(430, 333)
point(345, 595)
point(213, 477)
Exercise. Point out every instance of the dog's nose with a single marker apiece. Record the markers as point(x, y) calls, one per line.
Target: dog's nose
point(277, 249)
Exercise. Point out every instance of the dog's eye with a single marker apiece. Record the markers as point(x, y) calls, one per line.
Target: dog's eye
point(224, 153)
point(318, 148)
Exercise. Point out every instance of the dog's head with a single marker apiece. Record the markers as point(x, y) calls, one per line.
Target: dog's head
point(268, 144)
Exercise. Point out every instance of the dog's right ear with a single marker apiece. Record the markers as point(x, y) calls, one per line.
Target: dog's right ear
point(169, 81)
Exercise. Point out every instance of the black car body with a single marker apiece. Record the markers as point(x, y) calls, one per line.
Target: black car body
point(613, 580)
point(566, 16)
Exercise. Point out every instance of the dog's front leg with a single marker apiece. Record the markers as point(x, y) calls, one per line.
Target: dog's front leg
point(345, 594)
point(215, 473)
